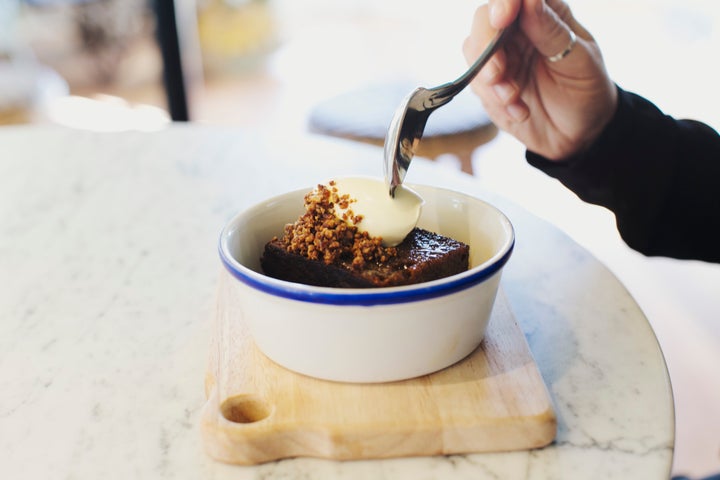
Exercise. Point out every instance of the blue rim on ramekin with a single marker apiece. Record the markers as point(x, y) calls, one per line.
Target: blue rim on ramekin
point(365, 296)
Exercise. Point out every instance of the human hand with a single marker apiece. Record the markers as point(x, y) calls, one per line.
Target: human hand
point(556, 108)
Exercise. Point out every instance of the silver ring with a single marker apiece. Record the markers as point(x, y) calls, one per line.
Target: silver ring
point(568, 49)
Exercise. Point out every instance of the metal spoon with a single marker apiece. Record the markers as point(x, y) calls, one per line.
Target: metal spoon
point(408, 123)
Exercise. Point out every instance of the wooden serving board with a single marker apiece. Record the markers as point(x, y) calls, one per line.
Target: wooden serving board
point(257, 411)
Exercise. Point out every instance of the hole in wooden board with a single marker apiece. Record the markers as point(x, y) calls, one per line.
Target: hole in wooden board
point(245, 409)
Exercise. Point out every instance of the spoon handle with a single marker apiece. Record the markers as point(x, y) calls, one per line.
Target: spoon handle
point(444, 93)
point(408, 123)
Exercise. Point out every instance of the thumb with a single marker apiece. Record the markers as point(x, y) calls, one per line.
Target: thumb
point(550, 27)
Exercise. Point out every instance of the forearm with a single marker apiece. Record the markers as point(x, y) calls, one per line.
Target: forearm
point(657, 174)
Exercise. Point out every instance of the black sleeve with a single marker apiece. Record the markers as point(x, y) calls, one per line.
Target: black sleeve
point(658, 175)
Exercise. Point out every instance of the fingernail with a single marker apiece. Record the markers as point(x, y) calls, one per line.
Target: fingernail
point(504, 91)
point(489, 72)
point(517, 112)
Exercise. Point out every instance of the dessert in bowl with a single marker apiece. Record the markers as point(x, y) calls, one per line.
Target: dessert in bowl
point(370, 334)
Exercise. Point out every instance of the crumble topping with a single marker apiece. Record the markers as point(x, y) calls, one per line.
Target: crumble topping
point(320, 235)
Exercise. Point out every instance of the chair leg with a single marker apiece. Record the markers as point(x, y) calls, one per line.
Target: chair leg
point(173, 73)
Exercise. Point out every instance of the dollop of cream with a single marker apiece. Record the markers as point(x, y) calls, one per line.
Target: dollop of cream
point(382, 215)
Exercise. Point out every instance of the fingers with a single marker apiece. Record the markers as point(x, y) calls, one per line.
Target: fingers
point(503, 12)
point(548, 24)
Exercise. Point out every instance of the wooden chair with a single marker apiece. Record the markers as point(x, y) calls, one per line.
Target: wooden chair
point(364, 115)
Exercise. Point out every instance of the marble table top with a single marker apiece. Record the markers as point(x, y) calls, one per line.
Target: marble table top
point(108, 272)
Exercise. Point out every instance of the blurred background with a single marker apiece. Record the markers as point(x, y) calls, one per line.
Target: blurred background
point(113, 65)
point(109, 51)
